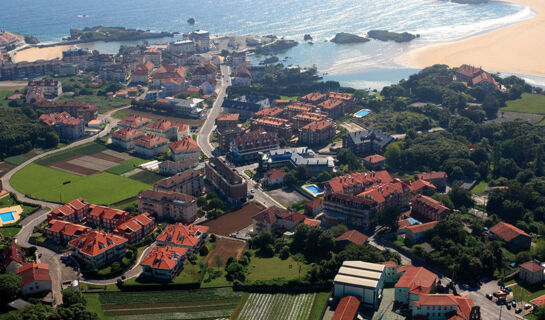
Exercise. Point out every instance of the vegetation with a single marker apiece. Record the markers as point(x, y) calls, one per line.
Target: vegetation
point(344, 38)
point(384, 35)
point(275, 47)
point(100, 33)
point(528, 103)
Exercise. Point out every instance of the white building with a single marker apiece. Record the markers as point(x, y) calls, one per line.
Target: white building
point(363, 280)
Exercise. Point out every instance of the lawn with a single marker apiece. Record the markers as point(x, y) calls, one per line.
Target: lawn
point(528, 103)
point(480, 188)
point(93, 304)
point(104, 104)
point(276, 268)
point(85, 149)
point(277, 306)
point(34, 178)
point(4, 94)
point(126, 166)
point(147, 177)
point(524, 292)
point(9, 231)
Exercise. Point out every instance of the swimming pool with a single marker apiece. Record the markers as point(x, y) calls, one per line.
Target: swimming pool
point(313, 189)
point(362, 113)
point(7, 216)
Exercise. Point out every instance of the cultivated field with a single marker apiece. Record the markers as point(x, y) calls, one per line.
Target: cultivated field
point(277, 306)
point(234, 221)
point(225, 248)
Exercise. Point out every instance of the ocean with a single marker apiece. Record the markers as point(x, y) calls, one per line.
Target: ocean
point(361, 65)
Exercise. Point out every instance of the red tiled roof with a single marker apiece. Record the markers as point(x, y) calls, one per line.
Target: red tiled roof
point(314, 203)
point(33, 272)
point(134, 121)
point(107, 212)
point(540, 301)
point(360, 178)
point(300, 107)
point(254, 139)
point(66, 228)
point(380, 192)
point(137, 222)
point(272, 214)
point(313, 96)
point(353, 236)
point(420, 184)
point(13, 253)
point(376, 158)
point(184, 144)
point(418, 228)
point(270, 121)
point(228, 117)
point(164, 258)
point(431, 203)
point(419, 280)
point(506, 231)
point(389, 264)
point(339, 96)
point(463, 304)
point(96, 242)
point(312, 222)
point(330, 104)
point(150, 140)
point(268, 112)
point(347, 308)
point(532, 266)
point(319, 125)
point(468, 70)
point(182, 235)
point(127, 133)
point(64, 117)
point(432, 175)
point(274, 174)
point(310, 116)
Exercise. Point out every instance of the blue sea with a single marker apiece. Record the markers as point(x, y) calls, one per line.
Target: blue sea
point(362, 65)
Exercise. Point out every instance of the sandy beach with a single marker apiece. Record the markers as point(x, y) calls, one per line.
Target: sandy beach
point(517, 48)
point(35, 53)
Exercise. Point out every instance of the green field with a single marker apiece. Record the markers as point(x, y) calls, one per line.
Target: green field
point(480, 188)
point(319, 305)
point(104, 104)
point(278, 306)
point(9, 231)
point(276, 268)
point(15, 160)
point(126, 166)
point(35, 178)
point(528, 103)
point(85, 149)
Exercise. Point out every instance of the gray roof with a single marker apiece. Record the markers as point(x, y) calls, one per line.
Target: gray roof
point(298, 156)
point(374, 135)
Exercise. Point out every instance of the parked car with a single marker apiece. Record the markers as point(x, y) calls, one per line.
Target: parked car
point(514, 303)
point(500, 283)
point(519, 310)
point(508, 306)
point(489, 296)
point(527, 306)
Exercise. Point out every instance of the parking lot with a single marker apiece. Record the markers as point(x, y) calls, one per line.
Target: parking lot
point(489, 308)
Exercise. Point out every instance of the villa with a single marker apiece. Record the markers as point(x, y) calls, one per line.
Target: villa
point(35, 278)
point(136, 228)
point(134, 122)
point(151, 145)
point(106, 217)
point(98, 248)
point(64, 231)
point(172, 205)
point(190, 236)
point(163, 263)
point(125, 137)
point(167, 129)
point(64, 124)
point(185, 149)
point(72, 211)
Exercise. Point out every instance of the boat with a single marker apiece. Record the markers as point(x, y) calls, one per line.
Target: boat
point(83, 16)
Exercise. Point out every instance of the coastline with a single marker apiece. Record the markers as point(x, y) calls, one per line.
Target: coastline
point(32, 54)
point(515, 48)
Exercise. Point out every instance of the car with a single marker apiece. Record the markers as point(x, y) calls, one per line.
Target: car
point(514, 303)
point(489, 296)
point(507, 289)
point(527, 306)
point(252, 191)
point(518, 310)
point(500, 283)
point(508, 306)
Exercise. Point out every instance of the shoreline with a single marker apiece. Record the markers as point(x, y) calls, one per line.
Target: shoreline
point(515, 48)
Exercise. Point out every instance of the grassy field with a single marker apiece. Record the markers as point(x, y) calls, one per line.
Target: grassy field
point(277, 306)
point(147, 177)
point(276, 268)
point(480, 188)
point(525, 292)
point(35, 178)
point(528, 103)
point(126, 166)
point(124, 114)
point(104, 104)
point(9, 231)
point(85, 149)
point(319, 305)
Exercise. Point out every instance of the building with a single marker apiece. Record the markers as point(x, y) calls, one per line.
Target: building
point(167, 129)
point(226, 180)
point(351, 236)
point(22, 70)
point(332, 107)
point(237, 58)
point(66, 126)
point(276, 220)
point(314, 207)
point(366, 142)
point(444, 307)
point(99, 61)
point(98, 248)
point(476, 77)
point(314, 98)
point(374, 162)
point(153, 55)
point(274, 177)
point(413, 282)
point(163, 263)
point(106, 217)
point(13, 257)
point(415, 233)
point(205, 72)
point(168, 205)
point(134, 122)
point(167, 72)
point(35, 278)
point(280, 126)
point(142, 72)
point(77, 109)
point(515, 239)
point(245, 106)
point(486, 82)
point(201, 39)
point(115, 72)
point(60, 231)
point(151, 145)
point(362, 280)
point(189, 107)
point(50, 88)
point(317, 133)
point(346, 98)
point(274, 112)
point(182, 47)
point(190, 236)
point(356, 183)
point(297, 108)
point(390, 272)
point(169, 168)
point(125, 137)
point(190, 181)
point(531, 272)
point(422, 187)
point(437, 178)
point(293, 157)
point(137, 227)
point(429, 208)
point(226, 120)
point(72, 211)
point(347, 309)
point(248, 146)
point(302, 119)
point(184, 149)
point(226, 137)
point(242, 76)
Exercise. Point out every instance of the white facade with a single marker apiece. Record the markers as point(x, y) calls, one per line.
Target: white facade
point(360, 279)
point(36, 287)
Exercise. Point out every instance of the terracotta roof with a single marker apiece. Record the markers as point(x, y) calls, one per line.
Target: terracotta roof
point(532, 266)
point(432, 175)
point(376, 158)
point(484, 77)
point(431, 203)
point(540, 301)
point(161, 124)
point(69, 208)
point(330, 104)
point(271, 121)
point(347, 308)
point(67, 228)
point(107, 212)
point(160, 196)
point(418, 228)
point(127, 133)
point(389, 264)
point(337, 184)
point(339, 96)
point(164, 258)
point(310, 116)
point(319, 125)
point(272, 214)
point(314, 203)
point(275, 174)
point(313, 96)
point(507, 232)
point(468, 70)
point(420, 184)
point(183, 145)
point(463, 304)
point(268, 112)
point(136, 223)
point(312, 222)
point(150, 140)
point(228, 117)
point(419, 280)
point(381, 192)
point(13, 253)
point(300, 107)
point(353, 236)
point(134, 121)
point(63, 118)
point(254, 139)
point(182, 235)
point(179, 178)
point(96, 242)
point(33, 272)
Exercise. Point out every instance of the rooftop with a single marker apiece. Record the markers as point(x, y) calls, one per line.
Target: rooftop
point(507, 232)
point(183, 145)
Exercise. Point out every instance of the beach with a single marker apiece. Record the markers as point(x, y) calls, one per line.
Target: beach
point(517, 48)
point(35, 53)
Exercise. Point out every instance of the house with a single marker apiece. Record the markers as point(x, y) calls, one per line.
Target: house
point(77, 109)
point(242, 76)
point(184, 149)
point(390, 272)
point(35, 278)
point(237, 58)
point(137, 227)
point(245, 106)
point(66, 126)
point(114, 72)
point(312, 222)
point(422, 187)
point(374, 162)
point(169, 168)
point(72, 211)
point(515, 239)
point(351, 236)
point(466, 73)
point(226, 120)
point(356, 183)
point(297, 108)
point(314, 207)
point(413, 282)
point(226, 137)
point(163, 263)
point(531, 272)
point(362, 280)
point(437, 178)
point(13, 257)
point(293, 157)
point(167, 129)
point(60, 231)
point(142, 72)
point(332, 107)
point(125, 137)
point(204, 73)
point(347, 309)
point(182, 47)
point(274, 112)
point(444, 307)
point(346, 98)
point(314, 98)
point(366, 142)
point(190, 236)
point(317, 132)
point(302, 119)
point(280, 126)
point(276, 220)
point(486, 82)
point(106, 217)
point(98, 248)
point(226, 180)
point(416, 232)
point(189, 107)
point(151, 145)
point(201, 39)
point(190, 181)
point(134, 122)
point(94, 124)
point(249, 145)
point(153, 55)
point(274, 177)
point(50, 88)
point(168, 205)
point(429, 208)
point(167, 72)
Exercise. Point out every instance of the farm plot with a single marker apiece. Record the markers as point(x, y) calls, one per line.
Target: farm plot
point(88, 164)
point(225, 248)
point(234, 221)
point(277, 306)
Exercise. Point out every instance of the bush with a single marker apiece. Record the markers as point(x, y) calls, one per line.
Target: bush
point(284, 253)
point(203, 251)
point(212, 238)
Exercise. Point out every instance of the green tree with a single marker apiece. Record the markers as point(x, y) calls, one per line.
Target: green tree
point(71, 296)
point(235, 271)
point(393, 155)
point(215, 203)
point(388, 217)
point(203, 251)
point(10, 288)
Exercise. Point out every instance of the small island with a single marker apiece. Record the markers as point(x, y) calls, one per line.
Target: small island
point(191, 21)
point(275, 46)
point(270, 60)
point(100, 33)
point(345, 38)
point(384, 35)
point(470, 1)
point(308, 37)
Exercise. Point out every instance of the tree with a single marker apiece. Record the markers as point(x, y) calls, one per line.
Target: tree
point(290, 179)
point(461, 197)
point(224, 53)
point(388, 217)
point(203, 251)
point(10, 288)
point(338, 230)
point(215, 203)
point(201, 201)
point(284, 253)
point(393, 155)
point(235, 271)
point(71, 296)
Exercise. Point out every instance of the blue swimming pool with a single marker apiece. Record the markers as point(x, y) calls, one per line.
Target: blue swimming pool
point(7, 216)
point(313, 189)
point(362, 113)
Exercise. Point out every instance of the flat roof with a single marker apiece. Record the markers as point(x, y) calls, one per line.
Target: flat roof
point(354, 281)
point(359, 273)
point(364, 265)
